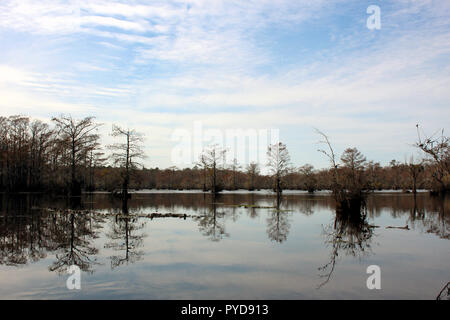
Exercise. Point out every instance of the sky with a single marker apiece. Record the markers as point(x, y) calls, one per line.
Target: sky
point(166, 68)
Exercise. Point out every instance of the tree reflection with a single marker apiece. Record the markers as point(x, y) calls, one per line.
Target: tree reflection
point(306, 207)
point(350, 234)
point(252, 212)
point(37, 251)
point(211, 223)
point(74, 234)
point(278, 224)
point(435, 219)
point(29, 231)
point(20, 240)
point(125, 237)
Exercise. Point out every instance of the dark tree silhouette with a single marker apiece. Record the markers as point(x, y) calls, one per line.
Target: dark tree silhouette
point(79, 137)
point(213, 159)
point(126, 154)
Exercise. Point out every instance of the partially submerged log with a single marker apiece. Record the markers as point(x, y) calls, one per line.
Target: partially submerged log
point(404, 228)
point(154, 215)
point(120, 215)
point(251, 206)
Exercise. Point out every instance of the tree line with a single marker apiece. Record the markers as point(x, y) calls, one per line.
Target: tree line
point(65, 156)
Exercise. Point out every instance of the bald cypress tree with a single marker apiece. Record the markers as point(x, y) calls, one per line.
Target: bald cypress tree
point(278, 163)
point(127, 154)
point(78, 136)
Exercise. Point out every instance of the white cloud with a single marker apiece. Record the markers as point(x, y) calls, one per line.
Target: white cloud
point(140, 26)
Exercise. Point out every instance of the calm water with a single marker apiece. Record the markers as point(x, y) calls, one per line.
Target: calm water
point(222, 250)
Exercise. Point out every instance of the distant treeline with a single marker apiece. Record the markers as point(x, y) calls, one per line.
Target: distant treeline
point(396, 176)
point(66, 157)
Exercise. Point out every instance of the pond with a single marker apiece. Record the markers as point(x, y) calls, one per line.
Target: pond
point(187, 245)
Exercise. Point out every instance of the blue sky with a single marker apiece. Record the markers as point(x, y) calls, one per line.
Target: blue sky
point(159, 66)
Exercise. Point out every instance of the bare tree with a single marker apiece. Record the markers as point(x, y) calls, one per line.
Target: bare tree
point(278, 162)
point(212, 158)
point(335, 185)
point(95, 158)
point(18, 146)
point(126, 154)
point(437, 147)
point(78, 136)
point(347, 184)
point(3, 151)
point(202, 164)
point(41, 139)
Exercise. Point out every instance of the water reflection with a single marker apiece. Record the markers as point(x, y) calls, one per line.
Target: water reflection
point(74, 233)
point(349, 234)
point(211, 223)
point(68, 234)
point(126, 237)
point(278, 222)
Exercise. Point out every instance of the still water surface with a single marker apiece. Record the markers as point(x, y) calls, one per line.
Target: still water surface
point(238, 246)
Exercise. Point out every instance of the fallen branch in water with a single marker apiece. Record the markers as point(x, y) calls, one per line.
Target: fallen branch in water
point(252, 206)
point(404, 228)
point(121, 215)
point(154, 215)
point(255, 206)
